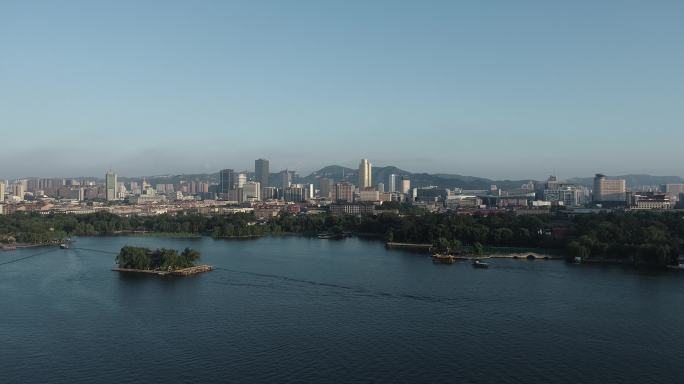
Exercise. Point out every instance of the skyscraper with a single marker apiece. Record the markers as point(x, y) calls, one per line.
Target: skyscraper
point(111, 186)
point(261, 172)
point(2, 191)
point(241, 180)
point(365, 174)
point(285, 179)
point(226, 181)
point(326, 188)
point(393, 182)
point(405, 186)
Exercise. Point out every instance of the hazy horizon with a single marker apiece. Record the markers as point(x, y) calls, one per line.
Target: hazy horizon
point(308, 172)
point(503, 90)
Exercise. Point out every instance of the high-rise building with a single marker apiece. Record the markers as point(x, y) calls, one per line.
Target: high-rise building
point(2, 191)
point(326, 188)
point(251, 191)
point(673, 188)
point(226, 181)
point(241, 180)
point(381, 187)
point(552, 183)
point(405, 186)
point(295, 193)
point(33, 185)
point(111, 186)
point(393, 182)
point(609, 190)
point(261, 172)
point(19, 190)
point(561, 193)
point(269, 193)
point(344, 191)
point(285, 179)
point(365, 170)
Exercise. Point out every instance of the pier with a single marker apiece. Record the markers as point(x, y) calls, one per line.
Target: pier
point(427, 248)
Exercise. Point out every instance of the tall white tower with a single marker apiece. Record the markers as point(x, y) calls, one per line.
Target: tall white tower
point(365, 174)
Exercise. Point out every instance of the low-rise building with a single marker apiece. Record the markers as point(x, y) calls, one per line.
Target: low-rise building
point(651, 200)
point(351, 209)
point(369, 195)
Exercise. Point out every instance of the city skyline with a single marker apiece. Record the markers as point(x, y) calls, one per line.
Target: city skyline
point(239, 188)
point(497, 90)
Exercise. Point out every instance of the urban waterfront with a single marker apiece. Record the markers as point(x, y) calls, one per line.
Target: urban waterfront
point(294, 309)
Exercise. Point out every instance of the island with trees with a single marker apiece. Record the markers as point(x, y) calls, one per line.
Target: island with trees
point(160, 261)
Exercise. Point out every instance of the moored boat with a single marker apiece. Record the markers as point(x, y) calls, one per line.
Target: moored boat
point(479, 264)
point(443, 259)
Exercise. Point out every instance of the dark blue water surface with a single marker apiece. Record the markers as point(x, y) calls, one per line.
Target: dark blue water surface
point(291, 309)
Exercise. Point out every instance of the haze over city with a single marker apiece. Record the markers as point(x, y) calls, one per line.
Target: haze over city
point(497, 89)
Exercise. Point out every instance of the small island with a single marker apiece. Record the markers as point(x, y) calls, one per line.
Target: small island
point(161, 262)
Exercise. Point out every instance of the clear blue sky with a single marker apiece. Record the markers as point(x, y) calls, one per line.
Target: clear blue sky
point(514, 89)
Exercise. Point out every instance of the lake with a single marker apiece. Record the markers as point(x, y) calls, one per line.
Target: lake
point(294, 309)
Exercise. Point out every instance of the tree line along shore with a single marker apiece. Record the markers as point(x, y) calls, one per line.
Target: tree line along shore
point(641, 238)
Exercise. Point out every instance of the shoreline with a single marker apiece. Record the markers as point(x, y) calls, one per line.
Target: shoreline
point(14, 247)
point(490, 252)
point(178, 272)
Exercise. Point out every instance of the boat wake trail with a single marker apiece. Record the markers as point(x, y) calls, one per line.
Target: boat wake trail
point(357, 290)
point(26, 257)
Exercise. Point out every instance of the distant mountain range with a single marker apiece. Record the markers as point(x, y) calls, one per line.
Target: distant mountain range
point(381, 175)
point(634, 181)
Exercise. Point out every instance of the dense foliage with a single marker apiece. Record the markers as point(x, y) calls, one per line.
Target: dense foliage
point(159, 259)
point(643, 238)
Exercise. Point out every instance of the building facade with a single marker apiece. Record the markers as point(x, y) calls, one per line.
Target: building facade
point(405, 186)
point(251, 191)
point(351, 209)
point(326, 188)
point(285, 179)
point(393, 182)
point(365, 171)
point(261, 172)
point(111, 186)
point(226, 181)
point(344, 192)
point(609, 190)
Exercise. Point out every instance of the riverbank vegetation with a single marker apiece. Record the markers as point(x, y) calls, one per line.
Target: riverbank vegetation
point(639, 237)
point(158, 260)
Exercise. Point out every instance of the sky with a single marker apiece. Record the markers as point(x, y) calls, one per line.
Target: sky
point(499, 89)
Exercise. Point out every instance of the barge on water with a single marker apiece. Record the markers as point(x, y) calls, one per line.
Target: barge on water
point(443, 259)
